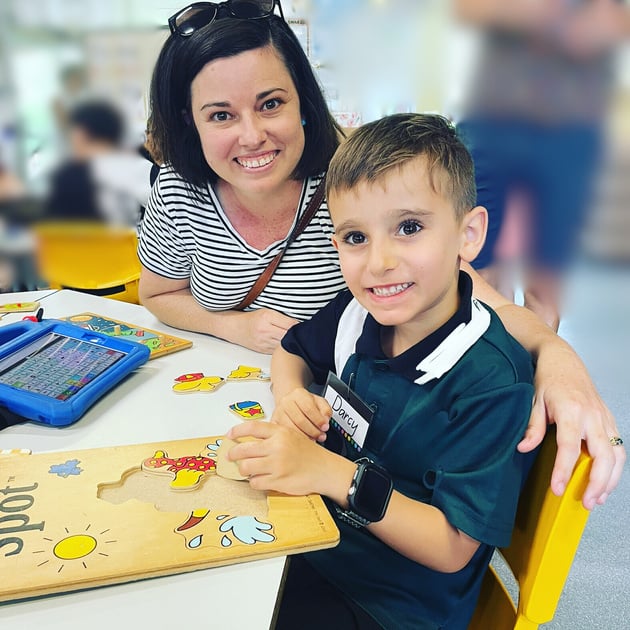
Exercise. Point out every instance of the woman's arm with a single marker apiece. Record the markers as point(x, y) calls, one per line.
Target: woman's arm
point(172, 303)
point(523, 16)
point(565, 395)
point(582, 29)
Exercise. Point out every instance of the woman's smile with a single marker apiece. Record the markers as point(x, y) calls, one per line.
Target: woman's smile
point(257, 162)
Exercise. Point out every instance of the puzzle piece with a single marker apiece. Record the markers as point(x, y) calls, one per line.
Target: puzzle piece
point(197, 382)
point(247, 373)
point(15, 451)
point(248, 410)
point(188, 378)
point(186, 472)
point(69, 467)
point(226, 468)
point(18, 307)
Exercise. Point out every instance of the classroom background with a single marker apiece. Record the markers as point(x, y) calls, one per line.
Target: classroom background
point(372, 57)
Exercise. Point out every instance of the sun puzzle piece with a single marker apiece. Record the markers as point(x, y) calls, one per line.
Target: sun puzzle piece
point(248, 410)
point(197, 382)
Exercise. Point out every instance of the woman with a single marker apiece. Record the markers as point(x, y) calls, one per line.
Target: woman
point(241, 123)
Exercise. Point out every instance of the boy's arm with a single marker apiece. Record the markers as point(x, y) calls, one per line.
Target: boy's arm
point(286, 461)
point(295, 406)
point(565, 395)
point(288, 372)
point(421, 533)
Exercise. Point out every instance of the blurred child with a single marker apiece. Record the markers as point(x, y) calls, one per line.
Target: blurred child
point(102, 180)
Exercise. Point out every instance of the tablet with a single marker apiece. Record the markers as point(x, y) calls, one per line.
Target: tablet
point(53, 371)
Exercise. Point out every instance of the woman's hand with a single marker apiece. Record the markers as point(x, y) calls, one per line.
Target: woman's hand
point(262, 330)
point(566, 396)
point(304, 411)
point(172, 303)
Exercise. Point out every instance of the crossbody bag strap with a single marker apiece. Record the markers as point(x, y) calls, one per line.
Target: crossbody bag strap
point(312, 207)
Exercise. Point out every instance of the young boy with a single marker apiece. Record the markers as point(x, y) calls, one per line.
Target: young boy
point(449, 389)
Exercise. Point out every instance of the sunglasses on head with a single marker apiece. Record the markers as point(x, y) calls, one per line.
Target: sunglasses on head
point(199, 14)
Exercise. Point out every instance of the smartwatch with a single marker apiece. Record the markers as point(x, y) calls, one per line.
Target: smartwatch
point(368, 495)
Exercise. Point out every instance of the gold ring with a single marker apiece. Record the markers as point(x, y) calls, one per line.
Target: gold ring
point(616, 441)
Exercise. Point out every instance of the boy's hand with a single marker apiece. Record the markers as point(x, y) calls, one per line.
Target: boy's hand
point(305, 411)
point(281, 459)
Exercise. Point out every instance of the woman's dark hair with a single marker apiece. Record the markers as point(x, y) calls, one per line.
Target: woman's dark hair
point(182, 58)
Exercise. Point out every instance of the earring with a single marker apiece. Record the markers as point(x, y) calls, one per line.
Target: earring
point(303, 122)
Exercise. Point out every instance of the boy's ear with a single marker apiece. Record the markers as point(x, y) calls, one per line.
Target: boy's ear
point(334, 241)
point(474, 228)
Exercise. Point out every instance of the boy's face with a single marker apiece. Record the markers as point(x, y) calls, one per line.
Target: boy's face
point(399, 246)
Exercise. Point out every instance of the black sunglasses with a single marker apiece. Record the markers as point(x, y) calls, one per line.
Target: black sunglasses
point(199, 14)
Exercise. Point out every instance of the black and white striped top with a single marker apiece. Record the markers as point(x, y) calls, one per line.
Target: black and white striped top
point(184, 235)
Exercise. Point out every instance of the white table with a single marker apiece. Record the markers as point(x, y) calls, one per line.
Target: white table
point(141, 409)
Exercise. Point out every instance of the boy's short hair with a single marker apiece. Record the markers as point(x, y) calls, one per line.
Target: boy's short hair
point(377, 147)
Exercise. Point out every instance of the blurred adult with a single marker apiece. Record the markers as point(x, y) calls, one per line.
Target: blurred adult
point(534, 122)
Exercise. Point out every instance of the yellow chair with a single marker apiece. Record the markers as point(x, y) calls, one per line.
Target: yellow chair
point(546, 536)
point(89, 257)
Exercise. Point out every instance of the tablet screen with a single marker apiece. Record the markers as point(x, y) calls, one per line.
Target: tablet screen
point(56, 365)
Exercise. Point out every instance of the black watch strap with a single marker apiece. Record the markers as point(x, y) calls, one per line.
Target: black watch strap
point(352, 518)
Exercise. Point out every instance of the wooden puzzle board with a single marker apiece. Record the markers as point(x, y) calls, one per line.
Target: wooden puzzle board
point(80, 519)
point(158, 342)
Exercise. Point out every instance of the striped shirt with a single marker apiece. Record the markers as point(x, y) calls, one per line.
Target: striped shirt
point(188, 236)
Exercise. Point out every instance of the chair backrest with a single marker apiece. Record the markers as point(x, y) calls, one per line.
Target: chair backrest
point(89, 257)
point(546, 536)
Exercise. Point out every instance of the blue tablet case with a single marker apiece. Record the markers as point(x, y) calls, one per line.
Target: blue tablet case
point(53, 371)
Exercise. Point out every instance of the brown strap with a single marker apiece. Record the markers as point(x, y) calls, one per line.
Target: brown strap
point(312, 207)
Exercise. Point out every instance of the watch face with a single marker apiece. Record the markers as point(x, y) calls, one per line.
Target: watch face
point(371, 496)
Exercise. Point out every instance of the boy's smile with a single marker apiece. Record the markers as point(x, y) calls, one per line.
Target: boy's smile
point(389, 291)
point(399, 244)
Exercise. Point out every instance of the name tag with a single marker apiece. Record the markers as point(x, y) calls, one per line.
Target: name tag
point(351, 416)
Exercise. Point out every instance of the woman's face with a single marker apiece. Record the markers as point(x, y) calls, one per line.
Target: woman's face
point(247, 112)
